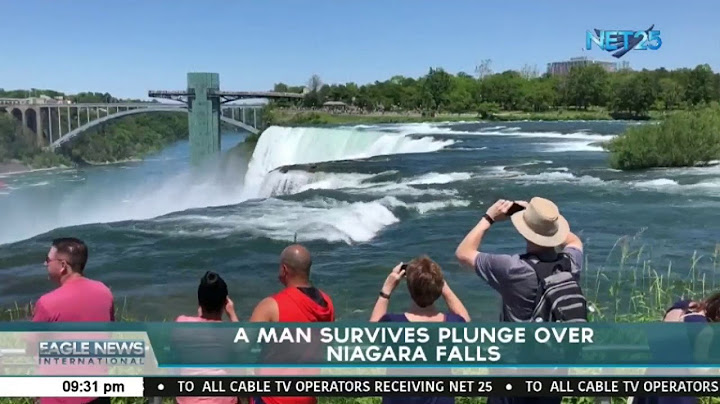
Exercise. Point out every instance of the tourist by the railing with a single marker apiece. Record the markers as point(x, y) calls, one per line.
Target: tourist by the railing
point(77, 298)
point(426, 285)
point(300, 301)
point(213, 302)
point(549, 245)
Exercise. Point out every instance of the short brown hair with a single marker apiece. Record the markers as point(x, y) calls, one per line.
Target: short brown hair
point(425, 280)
point(75, 251)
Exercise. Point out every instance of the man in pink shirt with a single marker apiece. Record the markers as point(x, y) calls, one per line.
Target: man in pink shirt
point(76, 299)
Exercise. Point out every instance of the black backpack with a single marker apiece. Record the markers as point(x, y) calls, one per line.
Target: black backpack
point(559, 297)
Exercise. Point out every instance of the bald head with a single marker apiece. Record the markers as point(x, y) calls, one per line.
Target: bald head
point(297, 259)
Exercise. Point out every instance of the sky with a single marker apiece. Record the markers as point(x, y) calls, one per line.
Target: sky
point(128, 47)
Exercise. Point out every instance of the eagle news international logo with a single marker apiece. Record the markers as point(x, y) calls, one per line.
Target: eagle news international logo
point(623, 41)
point(108, 352)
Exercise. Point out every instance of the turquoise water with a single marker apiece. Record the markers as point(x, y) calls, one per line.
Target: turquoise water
point(362, 198)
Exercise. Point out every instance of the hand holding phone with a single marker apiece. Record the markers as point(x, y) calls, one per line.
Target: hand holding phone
point(516, 207)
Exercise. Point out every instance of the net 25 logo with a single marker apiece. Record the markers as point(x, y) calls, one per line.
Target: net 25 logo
point(103, 352)
point(623, 41)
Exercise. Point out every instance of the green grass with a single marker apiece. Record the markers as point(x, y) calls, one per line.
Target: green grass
point(641, 289)
point(598, 114)
point(282, 117)
point(286, 117)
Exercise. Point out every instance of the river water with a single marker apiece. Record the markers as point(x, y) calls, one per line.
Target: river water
point(379, 194)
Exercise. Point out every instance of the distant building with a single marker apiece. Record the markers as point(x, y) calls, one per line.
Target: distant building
point(624, 65)
point(563, 68)
point(43, 99)
point(12, 101)
point(335, 105)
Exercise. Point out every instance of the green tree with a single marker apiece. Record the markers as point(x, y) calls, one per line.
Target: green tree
point(18, 143)
point(633, 92)
point(541, 94)
point(671, 93)
point(280, 87)
point(586, 86)
point(464, 87)
point(437, 85)
point(701, 85)
point(504, 89)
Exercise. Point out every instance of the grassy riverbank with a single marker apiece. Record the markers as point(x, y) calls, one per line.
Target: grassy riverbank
point(290, 117)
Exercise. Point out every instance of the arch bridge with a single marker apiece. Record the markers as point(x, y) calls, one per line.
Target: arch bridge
point(55, 122)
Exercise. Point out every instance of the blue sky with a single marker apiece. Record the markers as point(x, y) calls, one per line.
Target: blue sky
point(129, 47)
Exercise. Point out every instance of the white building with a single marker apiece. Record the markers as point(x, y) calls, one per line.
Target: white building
point(563, 68)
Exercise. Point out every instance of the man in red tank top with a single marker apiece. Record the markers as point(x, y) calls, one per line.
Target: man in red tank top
point(298, 302)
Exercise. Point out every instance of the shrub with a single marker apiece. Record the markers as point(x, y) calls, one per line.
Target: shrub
point(683, 139)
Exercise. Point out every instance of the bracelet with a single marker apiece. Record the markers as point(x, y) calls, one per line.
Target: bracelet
point(385, 295)
point(488, 218)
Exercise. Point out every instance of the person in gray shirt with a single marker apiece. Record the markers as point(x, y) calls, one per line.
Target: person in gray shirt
point(547, 234)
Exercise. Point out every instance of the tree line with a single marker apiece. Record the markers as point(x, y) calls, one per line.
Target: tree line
point(79, 98)
point(623, 92)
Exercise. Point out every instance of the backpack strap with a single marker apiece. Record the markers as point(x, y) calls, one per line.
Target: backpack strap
point(543, 269)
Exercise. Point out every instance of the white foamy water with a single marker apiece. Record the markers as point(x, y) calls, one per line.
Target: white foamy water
point(162, 186)
point(323, 219)
point(559, 176)
point(424, 207)
point(711, 187)
point(296, 181)
point(659, 182)
point(557, 135)
point(471, 148)
point(279, 146)
point(580, 141)
point(535, 162)
point(317, 219)
point(564, 147)
point(438, 178)
point(144, 193)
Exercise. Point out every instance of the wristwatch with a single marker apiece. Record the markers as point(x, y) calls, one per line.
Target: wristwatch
point(385, 295)
point(488, 218)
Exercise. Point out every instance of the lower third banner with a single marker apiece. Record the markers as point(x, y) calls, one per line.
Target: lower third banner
point(429, 386)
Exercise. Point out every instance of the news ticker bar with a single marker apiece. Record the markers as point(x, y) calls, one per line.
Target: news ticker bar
point(356, 386)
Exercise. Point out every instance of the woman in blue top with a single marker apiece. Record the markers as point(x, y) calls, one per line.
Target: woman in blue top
point(426, 284)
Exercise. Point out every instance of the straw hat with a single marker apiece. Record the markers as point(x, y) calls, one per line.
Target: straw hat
point(541, 223)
